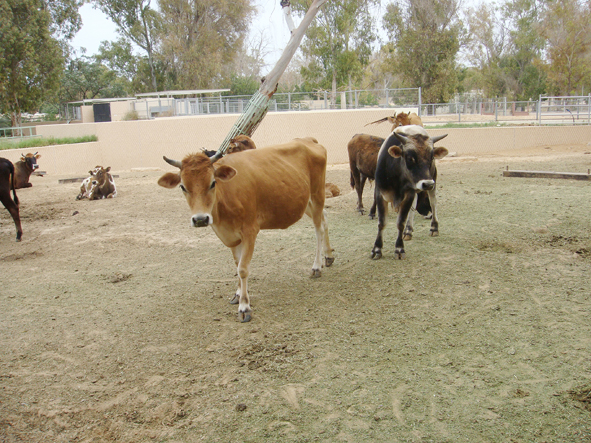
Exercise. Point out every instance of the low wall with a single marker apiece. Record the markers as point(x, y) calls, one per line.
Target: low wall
point(124, 145)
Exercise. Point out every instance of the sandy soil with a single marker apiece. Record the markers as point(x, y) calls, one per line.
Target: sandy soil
point(115, 323)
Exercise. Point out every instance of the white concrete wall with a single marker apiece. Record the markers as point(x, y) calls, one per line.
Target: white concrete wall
point(124, 145)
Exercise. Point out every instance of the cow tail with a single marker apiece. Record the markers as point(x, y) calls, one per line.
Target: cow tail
point(12, 180)
point(352, 180)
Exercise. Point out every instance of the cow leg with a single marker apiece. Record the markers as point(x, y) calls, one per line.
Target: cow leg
point(405, 208)
point(315, 211)
point(372, 211)
point(358, 182)
point(434, 231)
point(408, 230)
point(382, 207)
point(243, 253)
point(14, 212)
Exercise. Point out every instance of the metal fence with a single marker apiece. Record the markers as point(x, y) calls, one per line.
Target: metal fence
point(545, 110)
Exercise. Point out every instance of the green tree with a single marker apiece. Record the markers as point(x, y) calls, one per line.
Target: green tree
point(338, 44)
point(31, 59)
point(566, 25)
point(426, 36)
point(201, 39)
point(137, 21)
point(85, 78)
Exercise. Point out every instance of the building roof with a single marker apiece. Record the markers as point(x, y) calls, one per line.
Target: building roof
point(182, 92)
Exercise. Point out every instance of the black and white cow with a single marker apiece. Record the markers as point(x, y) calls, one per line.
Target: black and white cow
point(405, 172)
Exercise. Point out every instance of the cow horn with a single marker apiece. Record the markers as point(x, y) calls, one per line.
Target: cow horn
point(176, 163)
point(439, 137)
point(216, 157)
point(402, 138)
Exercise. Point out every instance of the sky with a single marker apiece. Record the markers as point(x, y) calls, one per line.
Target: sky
point(97, 27)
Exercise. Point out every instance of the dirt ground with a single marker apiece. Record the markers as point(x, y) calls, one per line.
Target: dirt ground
point(115, 323)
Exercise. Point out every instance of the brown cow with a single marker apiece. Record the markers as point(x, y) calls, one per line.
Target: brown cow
point(23, 170)
point(240, 143)
point(86, 185)
point(102, 185)
point(401, 119)
point(7, 182)
point(363, 156)
point(268, 188)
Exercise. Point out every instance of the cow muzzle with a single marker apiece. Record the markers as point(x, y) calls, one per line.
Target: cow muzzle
point(426, 185)
point(201, 220)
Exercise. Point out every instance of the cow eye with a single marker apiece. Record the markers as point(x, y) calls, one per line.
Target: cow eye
point(183, 188)
point(212, 185)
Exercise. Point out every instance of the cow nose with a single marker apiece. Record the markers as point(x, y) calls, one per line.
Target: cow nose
point(426, 185)
point(200, 221)
point(35, 166)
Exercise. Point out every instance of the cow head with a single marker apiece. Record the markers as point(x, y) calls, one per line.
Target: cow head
point(197, 179)
point(240, 143)
point(400, 119)
point(100, 175)
point(31, 160)
point(417, 155)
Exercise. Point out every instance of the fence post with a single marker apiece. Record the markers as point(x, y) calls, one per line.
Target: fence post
point(387, 98)
point(289, 101)
point(540, 110)
point(325, 100)
point(419, 101)
point(496, 110)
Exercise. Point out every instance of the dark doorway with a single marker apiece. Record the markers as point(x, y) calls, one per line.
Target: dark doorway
point(102, 112)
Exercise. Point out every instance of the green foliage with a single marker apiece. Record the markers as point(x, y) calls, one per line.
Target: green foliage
point(31, 59)
point(138, 22)
point(425, 37)
point(338, 43)
point(200, 38)
point(86, 78)
point(242, 85)
point(40, 142)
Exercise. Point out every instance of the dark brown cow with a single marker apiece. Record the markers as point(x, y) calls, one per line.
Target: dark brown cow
point(242, 193)
point(102, 185)
point(7, 179)
point(406, 170)
point(23, 170)
point(363, 155)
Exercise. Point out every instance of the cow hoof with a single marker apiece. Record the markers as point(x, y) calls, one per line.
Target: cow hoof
point(235, 299)
point(399, 254)
point(316, 273)
point(376, 254)
point(372, 216)
point(329, 261)
point(244, 317)
point(407, 237)
point(434, 233)
point(18, 239)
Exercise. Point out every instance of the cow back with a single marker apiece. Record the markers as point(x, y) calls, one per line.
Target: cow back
point(273, 185)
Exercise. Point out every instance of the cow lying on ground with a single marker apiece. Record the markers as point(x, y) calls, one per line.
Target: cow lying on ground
point(23, 170)
point(240, 194)
point(406, 168)
point(100, 184)
point(240, 143)
point(7, 179)
point(87, 184)
point(237, 144)
point(401, 119)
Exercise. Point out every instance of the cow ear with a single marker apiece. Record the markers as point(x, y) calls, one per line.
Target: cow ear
point(108, 169)
point(225, 173)
point(37, 155)
point(440, 152)
point(395, 151)
point(169, 180)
